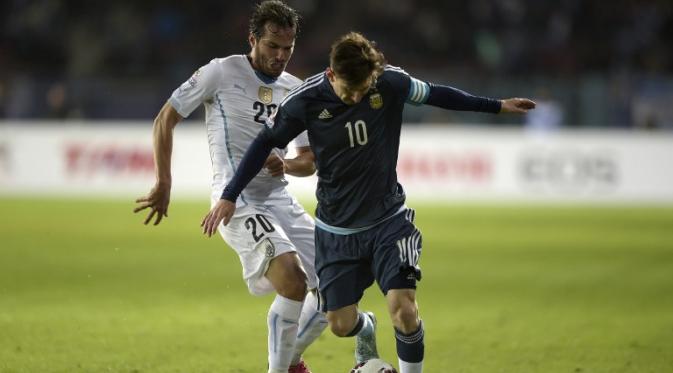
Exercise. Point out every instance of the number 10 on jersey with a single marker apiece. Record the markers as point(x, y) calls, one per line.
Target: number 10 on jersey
point(357, 132)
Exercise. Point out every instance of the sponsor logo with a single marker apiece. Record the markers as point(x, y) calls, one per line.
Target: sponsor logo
point(241, 89)
point(100, 159)
point(568, 171)
point(324, 114)
point(449, 168)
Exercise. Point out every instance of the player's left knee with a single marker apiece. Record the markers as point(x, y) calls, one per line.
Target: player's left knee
point(339, 325)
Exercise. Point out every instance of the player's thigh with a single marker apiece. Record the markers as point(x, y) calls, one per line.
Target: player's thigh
point(397, 253)
point(257, 238)
point(343, 268)
point(300, 229)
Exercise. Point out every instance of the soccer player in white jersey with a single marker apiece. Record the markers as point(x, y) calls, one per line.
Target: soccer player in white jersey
point(271, 232)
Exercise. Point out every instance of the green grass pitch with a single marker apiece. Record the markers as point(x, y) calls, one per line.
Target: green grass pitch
point(85, 287)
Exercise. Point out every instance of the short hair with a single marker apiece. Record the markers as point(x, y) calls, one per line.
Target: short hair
point(276, 12)
point(353, 58)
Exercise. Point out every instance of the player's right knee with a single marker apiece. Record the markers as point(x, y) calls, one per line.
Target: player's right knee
point(291, 283)
point(293, 289)
point(288, 277)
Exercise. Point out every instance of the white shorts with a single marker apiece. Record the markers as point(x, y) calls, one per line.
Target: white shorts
point(259, 233)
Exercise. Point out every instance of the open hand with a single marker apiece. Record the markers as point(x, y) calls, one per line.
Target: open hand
point(157, 200)
point(516, 105)
point(221, 212)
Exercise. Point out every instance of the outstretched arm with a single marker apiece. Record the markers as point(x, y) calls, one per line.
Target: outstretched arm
point(454, 99)
point(159, 197)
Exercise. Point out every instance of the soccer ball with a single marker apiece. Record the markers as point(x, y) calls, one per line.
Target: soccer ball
point(374, 366)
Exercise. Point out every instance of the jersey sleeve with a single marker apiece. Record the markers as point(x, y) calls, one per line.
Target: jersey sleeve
point(302, 139)
point(412, 90)
point(284, 126)
point(451, 98)
point(197, 89)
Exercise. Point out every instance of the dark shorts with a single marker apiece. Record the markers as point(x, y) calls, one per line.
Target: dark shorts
point(349, 264)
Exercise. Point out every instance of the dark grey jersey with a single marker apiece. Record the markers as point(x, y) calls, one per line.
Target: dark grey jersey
point(355, 146)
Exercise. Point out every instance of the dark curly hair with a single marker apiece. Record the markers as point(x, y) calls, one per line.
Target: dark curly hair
point(276, 12)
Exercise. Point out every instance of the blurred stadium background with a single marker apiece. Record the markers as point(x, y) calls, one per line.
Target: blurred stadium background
point(120, 59)
point(548, 238)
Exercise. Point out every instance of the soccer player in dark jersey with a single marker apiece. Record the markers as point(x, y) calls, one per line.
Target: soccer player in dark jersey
point(364, 231)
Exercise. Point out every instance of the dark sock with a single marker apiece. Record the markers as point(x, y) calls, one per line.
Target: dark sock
point(410, 347)
point(358, 325)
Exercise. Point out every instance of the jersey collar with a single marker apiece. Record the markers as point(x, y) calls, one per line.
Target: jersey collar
point(263, 77)
point(329, 90)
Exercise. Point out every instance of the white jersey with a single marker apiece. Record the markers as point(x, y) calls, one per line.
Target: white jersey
point(238, 102)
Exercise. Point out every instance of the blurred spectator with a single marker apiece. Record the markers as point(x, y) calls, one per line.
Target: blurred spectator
point(3, 99)
point(653, 105)
point(154, 45)
point(58, 103)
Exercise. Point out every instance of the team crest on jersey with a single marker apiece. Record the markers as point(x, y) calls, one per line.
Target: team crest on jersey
point(265, 95)
point(376, 101)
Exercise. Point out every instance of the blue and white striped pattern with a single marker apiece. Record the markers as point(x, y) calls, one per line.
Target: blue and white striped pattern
point(410, 249)
point(410, 215)
point(418, 92)
point(395, 68)
point(313, 81)
point(412, 338)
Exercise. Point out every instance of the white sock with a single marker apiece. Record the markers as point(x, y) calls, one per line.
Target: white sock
point(311, 324)
point(410, 367)
point(282, 320)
